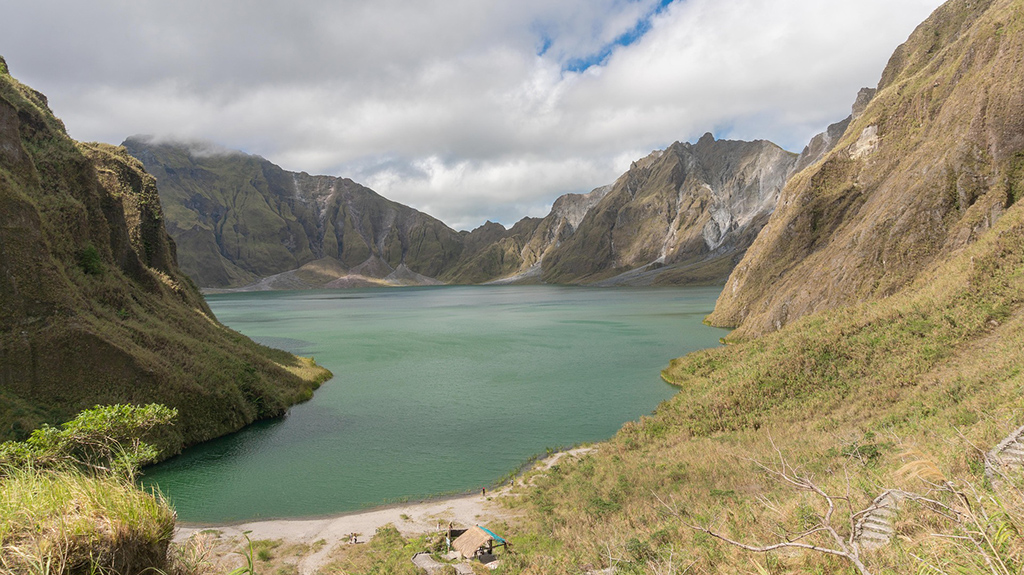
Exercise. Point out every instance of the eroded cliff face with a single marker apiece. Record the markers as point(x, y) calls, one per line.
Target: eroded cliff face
point(239, 218)
point(934, 160)
point(823, 143)
point(680, 216)
point(93, 307)
point(494, 254)
point(690, 207)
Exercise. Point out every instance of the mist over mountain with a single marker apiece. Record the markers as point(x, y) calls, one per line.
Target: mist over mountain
point(679, 216)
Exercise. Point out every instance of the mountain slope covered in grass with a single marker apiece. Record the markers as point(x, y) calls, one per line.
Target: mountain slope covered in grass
point(908, 392)
point(905, 377)
point(93, 307)
point(859, 400)
point(932, 163)
point(239, 218)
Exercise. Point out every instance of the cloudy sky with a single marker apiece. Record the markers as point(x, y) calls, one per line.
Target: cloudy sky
point(466, 109)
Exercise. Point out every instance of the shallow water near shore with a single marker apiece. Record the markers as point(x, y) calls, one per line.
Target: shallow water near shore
point(435, 390)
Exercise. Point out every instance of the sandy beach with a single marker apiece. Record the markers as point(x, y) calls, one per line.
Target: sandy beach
point(410, 519)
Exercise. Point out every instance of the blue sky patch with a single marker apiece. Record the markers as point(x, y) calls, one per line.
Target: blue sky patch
point(545, 44)
point(630, 37)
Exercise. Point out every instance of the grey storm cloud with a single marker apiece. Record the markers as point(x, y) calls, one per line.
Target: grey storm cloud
point(466, 109)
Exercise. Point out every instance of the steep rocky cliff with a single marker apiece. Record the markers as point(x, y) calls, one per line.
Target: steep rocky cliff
point(688, 224)
point(93, 307)
point(494, 254)
point(931, 163)
point(238, 218)
point(823, 143)
point(683, 213)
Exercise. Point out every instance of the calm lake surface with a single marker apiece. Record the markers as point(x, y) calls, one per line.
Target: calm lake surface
point(435, 390)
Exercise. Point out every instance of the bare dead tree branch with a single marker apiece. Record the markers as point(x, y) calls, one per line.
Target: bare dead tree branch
point(784, 472)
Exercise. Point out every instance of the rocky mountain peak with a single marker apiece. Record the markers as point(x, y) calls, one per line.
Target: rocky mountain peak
point(691, 206)
point(864, 97)
point(573, 207)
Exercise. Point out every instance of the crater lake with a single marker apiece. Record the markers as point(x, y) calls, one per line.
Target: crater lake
point(437, 390)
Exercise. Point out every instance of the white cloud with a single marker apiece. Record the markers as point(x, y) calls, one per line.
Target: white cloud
point(462, 108)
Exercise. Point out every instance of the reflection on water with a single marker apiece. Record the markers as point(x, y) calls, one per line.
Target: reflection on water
point(435, 390)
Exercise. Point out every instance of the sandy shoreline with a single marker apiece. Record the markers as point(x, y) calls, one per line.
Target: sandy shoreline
point(409, 519)
point(413, 518)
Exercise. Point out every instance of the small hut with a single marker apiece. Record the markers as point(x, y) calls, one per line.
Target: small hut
point(477, 541)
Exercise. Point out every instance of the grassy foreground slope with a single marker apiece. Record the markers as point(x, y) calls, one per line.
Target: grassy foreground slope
point(933, 375)
point(93, 308)
point(69, 503)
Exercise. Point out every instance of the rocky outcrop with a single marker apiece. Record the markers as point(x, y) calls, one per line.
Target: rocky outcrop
point(496, 255)
point(93, 307)
point(933, 161)
point(239, 218)
point(688, 207)
point(566, 215)
point(823, 143)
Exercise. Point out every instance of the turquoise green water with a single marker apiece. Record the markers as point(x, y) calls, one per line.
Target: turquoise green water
point(436, 390)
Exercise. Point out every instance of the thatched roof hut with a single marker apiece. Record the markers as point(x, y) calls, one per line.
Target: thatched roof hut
point(470, 542)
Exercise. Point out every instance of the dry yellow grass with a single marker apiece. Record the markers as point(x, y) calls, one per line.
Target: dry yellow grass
point(906, 393)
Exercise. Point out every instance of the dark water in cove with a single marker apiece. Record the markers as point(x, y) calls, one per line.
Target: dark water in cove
point(436, 390)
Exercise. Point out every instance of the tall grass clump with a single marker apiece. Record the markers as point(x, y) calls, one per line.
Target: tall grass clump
point(68, 501)
point(70, 522)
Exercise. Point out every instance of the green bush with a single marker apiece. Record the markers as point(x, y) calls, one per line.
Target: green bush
point(90, 261)
point(105, 439)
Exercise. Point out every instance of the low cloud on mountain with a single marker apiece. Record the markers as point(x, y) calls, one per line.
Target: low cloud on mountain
point(468, 110)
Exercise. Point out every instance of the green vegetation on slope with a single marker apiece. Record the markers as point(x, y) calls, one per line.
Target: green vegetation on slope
point(93, 308)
